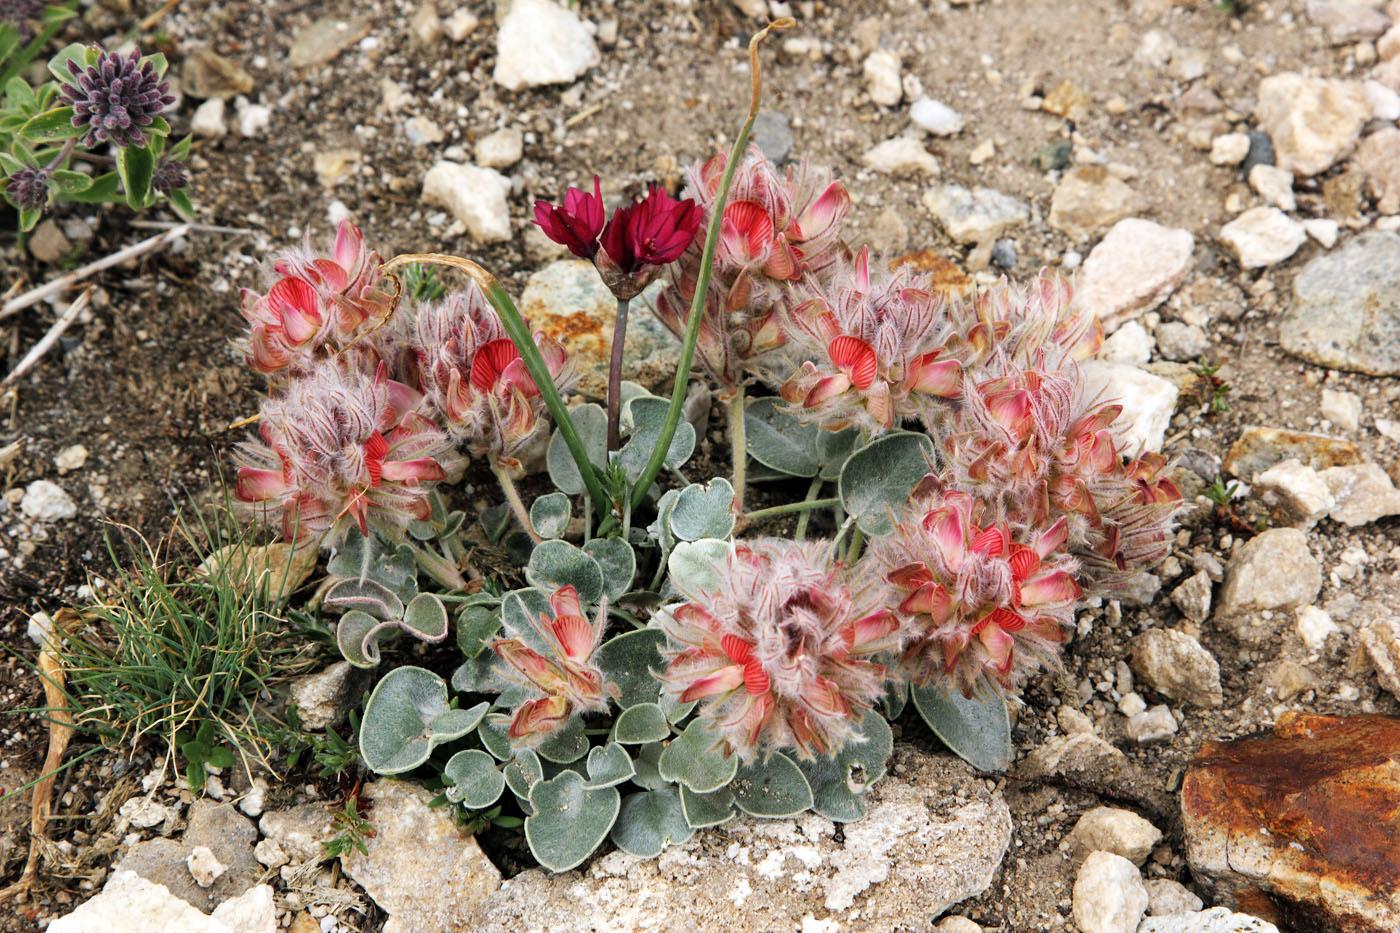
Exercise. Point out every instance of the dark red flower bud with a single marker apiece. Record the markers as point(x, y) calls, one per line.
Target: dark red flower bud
point(577, 224)
point(642, 237)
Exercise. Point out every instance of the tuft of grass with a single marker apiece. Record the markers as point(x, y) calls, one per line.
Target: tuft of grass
point(183, 651)
point(1219, 493)
point(422, 283)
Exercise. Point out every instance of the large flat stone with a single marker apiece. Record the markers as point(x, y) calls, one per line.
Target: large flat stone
point(933, 836)
point(1302, 827)
point(1346, 308)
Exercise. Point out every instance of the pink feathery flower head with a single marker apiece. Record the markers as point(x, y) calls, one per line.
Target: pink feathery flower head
point(978, 599)
point(876, 352)
point(565, 674)
point(318, 304)
point(641, 238)
point(577, 224)
point(776, 230)
point(778, 654)
point(343, 447)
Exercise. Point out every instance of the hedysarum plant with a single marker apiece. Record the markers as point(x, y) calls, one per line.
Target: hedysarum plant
point(777, 651)
point(980, 496)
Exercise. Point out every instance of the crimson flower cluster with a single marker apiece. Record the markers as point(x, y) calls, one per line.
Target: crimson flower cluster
point(632, 246)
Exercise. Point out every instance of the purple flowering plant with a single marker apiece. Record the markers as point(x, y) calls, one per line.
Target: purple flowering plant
point(663, 640)
point(98, 102)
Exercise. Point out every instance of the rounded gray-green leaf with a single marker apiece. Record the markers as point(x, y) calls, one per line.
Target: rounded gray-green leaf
point(473, 779)
point(407, 716)
point(839, 781)
point(522, 772)
point(556, 564)
point(649, 415)
point(771, 788)
point(565, 744)
point(877, 479)
point(591, 422)
point(779, 441)
point(642, 723)
point(618, 562)
point(650, 821)
point(426, 617)
point(976, 729)
point(357, 636)
point(834, 449)
point(693, 759)
point(367, 596)
point(550, 515)
point(628, 661)
point(704, 511)
point(609, 765)
point(570, 820)
point(711, 809)
point(694, 565)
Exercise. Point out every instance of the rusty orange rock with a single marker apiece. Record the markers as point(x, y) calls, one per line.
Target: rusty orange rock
point(948, 279)
point(1302, 827)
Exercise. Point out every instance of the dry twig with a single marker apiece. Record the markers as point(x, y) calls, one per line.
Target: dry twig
point(47, 341)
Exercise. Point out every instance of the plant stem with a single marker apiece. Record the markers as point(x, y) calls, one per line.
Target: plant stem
point(615, 374)
point(857, 541)
point(805, 506)
point(519, 334)
point(738, 440)
point(702, 283)
point(439, 568)
point(517, 505)
point(812, 490)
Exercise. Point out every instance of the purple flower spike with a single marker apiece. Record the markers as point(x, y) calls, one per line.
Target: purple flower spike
point(115, 98)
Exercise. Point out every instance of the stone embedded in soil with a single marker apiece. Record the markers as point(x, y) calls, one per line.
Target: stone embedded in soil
point(1273, 571)
point(1166, 896)
point(208, 119)
point(882, 78)
point(45, 501)
point(229, 838)
point(1215, 920)
point(1133, 269)
point(1109, 829)
point(321, 41)
point(1381, 639)
point(900, 156)
point(143, 812)
point(772, 134)
point(129, 903)
point(1089, 199)
point(1151, 725)
point(209, 75)
point(1274, 185)
point(1181, 342)
point(1229, 148)
point(935, 117)
point(1148, 402)
point(1313, 122)
point(1263, 236)
point(974, 216)
point(500, 149)
point(301, 831)
point(1177, 666)
point(324, 698)
point(946, 925)
point(1345, 312)
point(1313, 626)
point(1363, 493)
point(204, 866)
point(540, 42)
point(1379, 157)
point(1193, 595)
point(1348, 20)
point(932, 837)
point(569, 302)
point(1108, 895)
point(1343, 409)
point(418, 867)
point(460, 24)
point(1385, 103)
point(475, 196)
point(1079, 755)
point(1301, 827)
point(48, 243)
point(1258, 449)
point(1130, 344)
point(1295, 493)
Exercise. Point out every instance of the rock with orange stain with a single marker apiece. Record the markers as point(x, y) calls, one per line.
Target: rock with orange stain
point(948, 279)
point(1301, 827)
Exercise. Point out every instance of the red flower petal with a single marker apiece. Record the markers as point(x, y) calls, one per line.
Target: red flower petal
point(1007, 620)
point(855, 358)
point(755, 678)
point(575, 636)
point(1024, 562)
point(910, 575)
point(490, 361)
point(736, 649)
point(989, 541)
point(746, 229)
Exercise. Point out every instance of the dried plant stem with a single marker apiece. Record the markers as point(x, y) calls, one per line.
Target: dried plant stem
point(739, 442)
point(619, 338)
point(47, 341)
point(517, 505)
point(36, 295)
